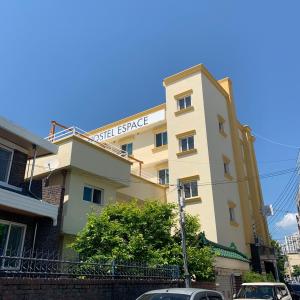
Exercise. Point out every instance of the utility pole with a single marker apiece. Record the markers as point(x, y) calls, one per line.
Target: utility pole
point(181, 201)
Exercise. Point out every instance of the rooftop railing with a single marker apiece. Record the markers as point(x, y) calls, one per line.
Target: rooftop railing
point(76, 131)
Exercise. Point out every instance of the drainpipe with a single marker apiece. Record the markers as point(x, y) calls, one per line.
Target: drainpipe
point(33, 164)
point(34, 236)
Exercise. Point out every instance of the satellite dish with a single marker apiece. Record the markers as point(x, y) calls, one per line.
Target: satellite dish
point(51, 164)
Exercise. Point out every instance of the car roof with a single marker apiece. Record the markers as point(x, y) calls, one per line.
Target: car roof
point(183, 291)
point(264, 283)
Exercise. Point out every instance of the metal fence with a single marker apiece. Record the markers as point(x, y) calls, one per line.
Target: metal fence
point(37, 267)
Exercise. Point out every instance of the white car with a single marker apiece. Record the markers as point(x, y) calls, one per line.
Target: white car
point(181, 294)
point(264, 290)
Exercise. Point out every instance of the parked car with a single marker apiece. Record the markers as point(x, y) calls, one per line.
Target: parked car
point(181, 294)
point(294, 289)
point(264, 290)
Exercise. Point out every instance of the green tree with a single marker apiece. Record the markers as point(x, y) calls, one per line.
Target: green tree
point(296, 271)
point(251, 276)
point(280, 259)
point(131, 232)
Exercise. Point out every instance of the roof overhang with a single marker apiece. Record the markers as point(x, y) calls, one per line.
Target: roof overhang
point(24, 204)
point(25, 139)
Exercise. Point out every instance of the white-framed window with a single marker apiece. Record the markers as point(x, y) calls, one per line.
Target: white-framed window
point(186, 143)
point(6, 156)
point(232, 214)
point(163, 176)
point(190, 189)
point(12, 237)
point(94, 195)
point(184, 102)
point(161, 139)
point(128, 148)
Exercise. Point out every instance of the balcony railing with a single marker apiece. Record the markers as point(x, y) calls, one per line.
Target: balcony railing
point(76, 131)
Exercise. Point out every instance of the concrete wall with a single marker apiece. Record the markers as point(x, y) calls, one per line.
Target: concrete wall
point(197, 163)
point(76, 210)
point(219, 145)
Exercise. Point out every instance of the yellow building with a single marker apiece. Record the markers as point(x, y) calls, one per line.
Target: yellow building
point(196, 138)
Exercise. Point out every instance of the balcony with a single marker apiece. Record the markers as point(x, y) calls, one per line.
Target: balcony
point(21, 202)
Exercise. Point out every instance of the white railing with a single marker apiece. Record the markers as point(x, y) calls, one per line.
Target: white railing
point(76, 131)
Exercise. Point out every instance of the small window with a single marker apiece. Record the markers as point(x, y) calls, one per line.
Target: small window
point(5, 163)
point(93, 195)
point(127, 148)
point(232, 214)
point(161, 139)
point(221, 122)
point(163, 176)
point(190, 189)
point(184, 102)
point(221, 127)
point(226, 168)
point(186, 143)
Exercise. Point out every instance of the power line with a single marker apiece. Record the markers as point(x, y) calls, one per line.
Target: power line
point(274, 142)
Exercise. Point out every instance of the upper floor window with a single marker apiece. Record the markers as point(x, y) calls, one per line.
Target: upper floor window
point(184, 102)
point(226, 168)
point(221, 122)
point(127, 148)
point(232, 214)
point(5, 163)
point(161, 139)
point(163, 176)
point(190, 189)
point(93, 195)
point(186, 143)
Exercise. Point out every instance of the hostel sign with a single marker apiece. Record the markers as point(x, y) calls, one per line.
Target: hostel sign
point(130, 126)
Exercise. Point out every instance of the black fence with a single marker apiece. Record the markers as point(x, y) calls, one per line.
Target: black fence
point(44, 266)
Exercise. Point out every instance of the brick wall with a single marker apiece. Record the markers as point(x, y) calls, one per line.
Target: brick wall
point(18, 167)
point(48, 289)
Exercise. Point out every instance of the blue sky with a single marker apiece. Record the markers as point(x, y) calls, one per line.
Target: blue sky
point(88, 63)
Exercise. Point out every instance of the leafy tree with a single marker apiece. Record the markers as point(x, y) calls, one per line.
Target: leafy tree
point(296, 271)
point(251, 276)
point(130, 232)
point(280, 259)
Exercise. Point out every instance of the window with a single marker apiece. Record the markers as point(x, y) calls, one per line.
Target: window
point(161, 139)
point(221, 122)
point(186, 143)
point(190, 189)
point(127, 148)
point(5, 163)
point(232, 214)
point(11, 242)
point(221, 126)
point(94, 195)
point(184, 102)
point(163, 176)
point(226, 167)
